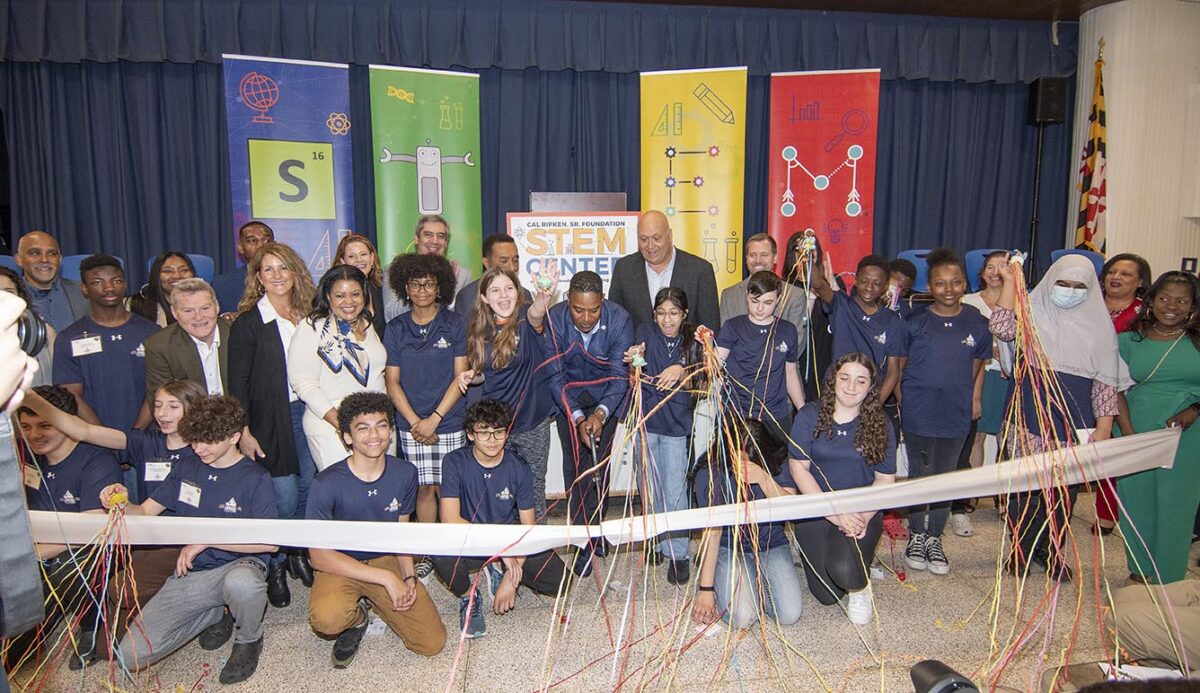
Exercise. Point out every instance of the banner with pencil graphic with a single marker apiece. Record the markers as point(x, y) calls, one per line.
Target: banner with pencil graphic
point(693, 127)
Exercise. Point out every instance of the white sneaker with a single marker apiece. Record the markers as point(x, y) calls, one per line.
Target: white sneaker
point(858, 606)
point(962, 525)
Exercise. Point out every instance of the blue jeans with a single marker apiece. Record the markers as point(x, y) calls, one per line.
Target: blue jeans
point(291, 491)
point(928, 456)
point(780, 595)
point(667, 484)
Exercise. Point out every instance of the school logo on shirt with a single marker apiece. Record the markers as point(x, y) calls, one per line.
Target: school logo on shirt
point(505, 494)
point(69, 498)
point(783, 347)
point(441, 343)
point(392, 507)
point(139, 352)
point(881, 337)
point(230, 506)
point(969, 341)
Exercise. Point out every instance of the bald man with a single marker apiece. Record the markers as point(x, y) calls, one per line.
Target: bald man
point(60, 301)
point(658, 264)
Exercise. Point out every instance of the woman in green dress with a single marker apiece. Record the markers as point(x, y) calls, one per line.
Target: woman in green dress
point(1163, 352)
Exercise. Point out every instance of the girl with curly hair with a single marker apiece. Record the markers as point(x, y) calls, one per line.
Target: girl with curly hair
point(945, 348)
point(844, 440)
point(426, 352)
point(504, 358)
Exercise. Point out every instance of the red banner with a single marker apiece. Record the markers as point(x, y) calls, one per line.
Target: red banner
point(822, 166)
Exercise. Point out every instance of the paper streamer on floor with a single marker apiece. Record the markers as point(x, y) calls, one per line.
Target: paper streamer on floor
point(1089, 462)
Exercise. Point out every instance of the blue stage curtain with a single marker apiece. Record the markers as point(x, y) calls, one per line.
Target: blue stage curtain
point(130, 157)
point(549, 36)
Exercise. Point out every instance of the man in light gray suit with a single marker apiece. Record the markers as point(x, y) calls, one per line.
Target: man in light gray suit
point(57, 299)
point(793, 305)
point(657, 264)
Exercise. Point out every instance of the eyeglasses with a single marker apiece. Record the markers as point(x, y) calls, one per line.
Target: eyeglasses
point(668, 314)
point(491, 434)
point(427, 285)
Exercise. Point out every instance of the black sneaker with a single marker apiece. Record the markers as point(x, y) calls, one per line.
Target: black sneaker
point(654, 558)
point(678, 572)
point(242, 663)
point(217, 634)
point(424, 570)
point(582, 564)
point(85, 649)
point(346, 645)
point(277, 586)
point(600, 547)
point(299, 567)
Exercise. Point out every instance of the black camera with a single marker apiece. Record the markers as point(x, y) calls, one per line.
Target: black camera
point(32, 332)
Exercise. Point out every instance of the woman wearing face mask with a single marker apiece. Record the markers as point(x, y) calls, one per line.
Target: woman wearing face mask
point(1163, 353)
point(504, 353)
point(335, 352)
point(669, 347)
point(1125, 280)
point(1080, 345)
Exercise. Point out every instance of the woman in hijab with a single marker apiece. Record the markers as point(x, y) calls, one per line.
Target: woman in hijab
point(1079, 381)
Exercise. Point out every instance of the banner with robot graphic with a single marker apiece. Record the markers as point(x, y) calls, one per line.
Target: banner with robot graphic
point(425, 144)
point(822, 160)
point(290, 162)
point(693, 126)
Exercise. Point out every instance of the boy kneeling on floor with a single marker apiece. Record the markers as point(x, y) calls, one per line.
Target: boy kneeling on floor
point(482, 483)
point(368, 486)
point(208, 577)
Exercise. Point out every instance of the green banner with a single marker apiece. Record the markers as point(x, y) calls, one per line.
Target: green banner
point(425, 144)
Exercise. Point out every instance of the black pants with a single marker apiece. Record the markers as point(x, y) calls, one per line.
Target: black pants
point(1038, 521)
point(964, 462)
point(63, 578)
point(541, 573)
point(835, 564)
point(587, 498)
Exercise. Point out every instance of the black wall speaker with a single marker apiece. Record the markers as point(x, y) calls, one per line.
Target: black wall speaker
point(1048, 101)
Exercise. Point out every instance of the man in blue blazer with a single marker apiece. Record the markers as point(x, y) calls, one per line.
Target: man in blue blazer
point(657, 264)
point(586, 340)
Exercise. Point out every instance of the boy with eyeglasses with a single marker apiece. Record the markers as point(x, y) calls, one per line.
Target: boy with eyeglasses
point(482, 483)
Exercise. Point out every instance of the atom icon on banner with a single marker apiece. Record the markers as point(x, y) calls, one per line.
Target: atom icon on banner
point(338, 124)
point(259, 93)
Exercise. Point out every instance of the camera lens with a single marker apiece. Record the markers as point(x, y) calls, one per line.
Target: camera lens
point(31, 332)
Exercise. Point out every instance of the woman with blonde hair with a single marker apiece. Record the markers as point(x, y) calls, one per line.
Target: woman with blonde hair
point(279, 293)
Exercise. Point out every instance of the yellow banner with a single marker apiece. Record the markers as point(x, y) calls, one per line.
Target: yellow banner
point(693, 161)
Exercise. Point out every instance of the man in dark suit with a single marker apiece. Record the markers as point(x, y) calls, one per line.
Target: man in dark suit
point(195, 348)
point(657, 264)
point(499, 250)
point(57, 299)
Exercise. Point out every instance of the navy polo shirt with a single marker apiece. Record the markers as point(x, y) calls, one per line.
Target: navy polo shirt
point(425, 355)
point(491, 496)
point(147, 452)
point(338, 494)
point(522, 383)
point(878, 335)
point(675, 417)
point(835, 461)
point(770, 534)
point(937, 383)
point(757, 356)
point(74, 484)
point(194, 489)
point(111, 368)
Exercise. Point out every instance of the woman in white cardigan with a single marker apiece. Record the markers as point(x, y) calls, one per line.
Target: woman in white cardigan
point(333, 354)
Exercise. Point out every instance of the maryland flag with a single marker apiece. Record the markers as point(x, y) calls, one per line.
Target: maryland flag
point(1089, 227)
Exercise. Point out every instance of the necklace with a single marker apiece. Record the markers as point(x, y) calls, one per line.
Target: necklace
point(1161, 332)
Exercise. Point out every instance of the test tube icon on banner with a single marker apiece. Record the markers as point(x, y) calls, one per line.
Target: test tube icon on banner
point(731, 254)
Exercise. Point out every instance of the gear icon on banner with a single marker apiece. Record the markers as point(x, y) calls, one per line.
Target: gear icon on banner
point(338, 123)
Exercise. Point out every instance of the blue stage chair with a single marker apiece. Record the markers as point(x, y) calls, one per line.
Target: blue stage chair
point(1096, 258)
point(917, 257)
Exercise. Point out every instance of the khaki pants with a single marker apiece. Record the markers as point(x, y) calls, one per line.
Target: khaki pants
point(333, 607)
point(1148, 634)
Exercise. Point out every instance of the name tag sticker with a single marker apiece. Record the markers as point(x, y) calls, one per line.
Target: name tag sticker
point(86, 345)
point(157, 471)
point(189, 493)
point(33, 477)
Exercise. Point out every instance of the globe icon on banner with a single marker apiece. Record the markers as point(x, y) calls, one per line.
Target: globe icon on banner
point(259, 93)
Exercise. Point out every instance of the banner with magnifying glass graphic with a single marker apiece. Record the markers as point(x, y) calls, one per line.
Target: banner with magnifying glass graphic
point(822, 160)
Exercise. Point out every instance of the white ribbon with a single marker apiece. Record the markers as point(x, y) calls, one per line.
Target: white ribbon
point(1090, 462)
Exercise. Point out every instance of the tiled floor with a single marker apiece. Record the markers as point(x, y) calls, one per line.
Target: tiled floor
point(958, 618)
